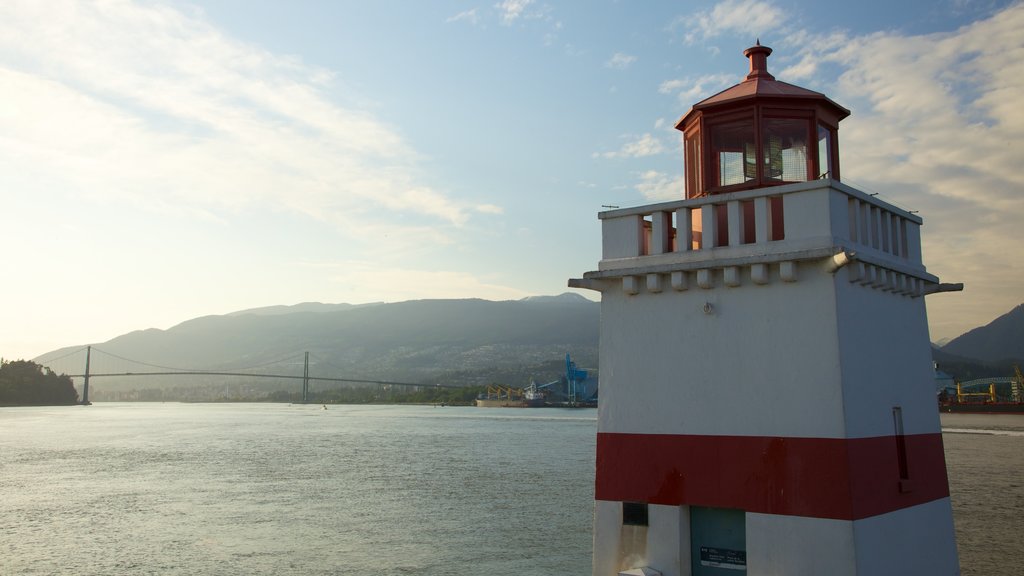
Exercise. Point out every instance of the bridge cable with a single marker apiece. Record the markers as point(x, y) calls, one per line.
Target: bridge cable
point(275, 361)
point(142, 363)
point(72, 353)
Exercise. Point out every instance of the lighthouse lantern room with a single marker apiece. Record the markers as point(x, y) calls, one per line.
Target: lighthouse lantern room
point(767, 404)
point(761, 132)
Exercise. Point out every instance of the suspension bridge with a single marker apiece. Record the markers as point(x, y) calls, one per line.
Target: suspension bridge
point(98, 363)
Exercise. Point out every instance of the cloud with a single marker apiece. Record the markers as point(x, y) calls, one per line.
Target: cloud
point(469, 16)
point(620, 61)
point(810, 48)
point(692, 90)
point(143, 105)
point(745, 17)
point(645, 145)
point(512, 10)
point(936, 126)
point(659, 187)
point(489, 209)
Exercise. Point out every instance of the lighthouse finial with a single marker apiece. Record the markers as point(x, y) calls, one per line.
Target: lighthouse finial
point(758, 55)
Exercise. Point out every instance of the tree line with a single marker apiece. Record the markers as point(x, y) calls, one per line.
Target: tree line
point(25, 383)
point(376, 395)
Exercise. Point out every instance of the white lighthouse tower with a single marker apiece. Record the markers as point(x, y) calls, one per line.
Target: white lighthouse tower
point(767, 404)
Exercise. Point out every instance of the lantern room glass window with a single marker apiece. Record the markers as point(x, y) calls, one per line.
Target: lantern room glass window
point(733, 152)
point(825, 169)
point(693, 162)
point(786, 151)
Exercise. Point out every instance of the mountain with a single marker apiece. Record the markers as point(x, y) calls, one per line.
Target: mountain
point(464, 342)
point(985, 352)
point(1001, 340)
point(303, 307)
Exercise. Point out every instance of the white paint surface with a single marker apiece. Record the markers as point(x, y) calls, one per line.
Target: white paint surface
point(773, 340)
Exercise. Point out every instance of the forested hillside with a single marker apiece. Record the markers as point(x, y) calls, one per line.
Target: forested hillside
point(463, 342)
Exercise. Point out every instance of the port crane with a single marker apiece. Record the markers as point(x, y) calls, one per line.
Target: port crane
point(574, 379)
point(983, 390)
point(1017, 390)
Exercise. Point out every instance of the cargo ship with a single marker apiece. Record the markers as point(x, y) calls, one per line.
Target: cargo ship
point(506, 397)
point(987, 396)
point(983, 407)
point(573, 389)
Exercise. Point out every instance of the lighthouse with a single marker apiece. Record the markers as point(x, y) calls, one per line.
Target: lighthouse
point(767, 405)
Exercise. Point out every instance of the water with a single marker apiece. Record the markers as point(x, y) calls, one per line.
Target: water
point(984, 460)
point(276, 489)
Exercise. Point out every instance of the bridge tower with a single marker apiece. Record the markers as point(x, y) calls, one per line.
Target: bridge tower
point(85, 384)
point(305, 379)
point(767, 404)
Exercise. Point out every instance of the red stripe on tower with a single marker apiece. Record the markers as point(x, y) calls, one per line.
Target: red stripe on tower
point(845, 479)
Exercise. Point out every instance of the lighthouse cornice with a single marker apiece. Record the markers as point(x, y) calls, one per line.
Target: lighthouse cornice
point(796, 187)
point(756, 237)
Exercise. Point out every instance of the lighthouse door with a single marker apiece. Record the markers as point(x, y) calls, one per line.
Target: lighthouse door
point(718, 542)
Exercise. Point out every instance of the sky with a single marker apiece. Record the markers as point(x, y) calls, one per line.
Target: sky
point(164, 160)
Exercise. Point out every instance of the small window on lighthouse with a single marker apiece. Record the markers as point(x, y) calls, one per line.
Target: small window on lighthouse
point(901, 442)
point(733, 152)
point(785, 149)
point(634, 514)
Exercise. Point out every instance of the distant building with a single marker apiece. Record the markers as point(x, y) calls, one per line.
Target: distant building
point(944, 382)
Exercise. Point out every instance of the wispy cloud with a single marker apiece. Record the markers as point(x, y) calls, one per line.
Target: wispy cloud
point(749, 17)
point(512, 10)
point(469, 16)
point(620, 61)
point(490, 209)
point(692, 90)
point(660, 187)
point(145, 105)
point(811, 49)
point(936, 125)
point(635, 147)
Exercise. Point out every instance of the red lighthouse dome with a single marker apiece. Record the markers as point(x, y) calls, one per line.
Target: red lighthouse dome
point(760, 132)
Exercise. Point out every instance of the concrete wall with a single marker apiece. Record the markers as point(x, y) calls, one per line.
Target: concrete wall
point(728, 346)
point(763, 361)
point(664, 544)
point(796, 546)
point(918, 540)
point(886, 360)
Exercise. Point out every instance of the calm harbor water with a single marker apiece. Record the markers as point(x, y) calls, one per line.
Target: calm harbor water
point(279, 489)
